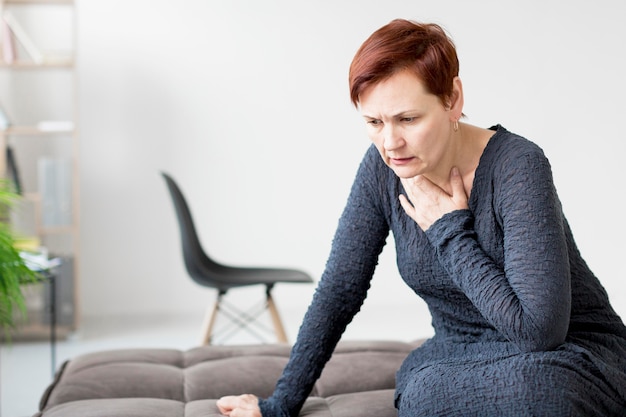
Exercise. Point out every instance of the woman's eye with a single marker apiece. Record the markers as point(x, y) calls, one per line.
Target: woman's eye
point(408, 119)
point(374, 122)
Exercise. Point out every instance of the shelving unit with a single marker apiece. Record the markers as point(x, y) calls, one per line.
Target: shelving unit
point(38, 92)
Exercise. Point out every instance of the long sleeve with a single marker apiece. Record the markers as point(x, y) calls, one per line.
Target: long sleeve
point(528, 298)
point(358, 241)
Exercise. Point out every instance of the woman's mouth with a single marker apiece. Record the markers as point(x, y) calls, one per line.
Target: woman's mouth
point(400, 161)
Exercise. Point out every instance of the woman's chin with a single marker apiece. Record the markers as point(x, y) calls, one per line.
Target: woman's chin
point(404, 172)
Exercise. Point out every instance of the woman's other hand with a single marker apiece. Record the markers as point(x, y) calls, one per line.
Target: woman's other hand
point(429, 202)
point(246, 405)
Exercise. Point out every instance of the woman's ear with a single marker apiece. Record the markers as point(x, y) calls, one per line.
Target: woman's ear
point(456, 100)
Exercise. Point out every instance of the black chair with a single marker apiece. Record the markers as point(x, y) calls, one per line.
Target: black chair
point(209, 273)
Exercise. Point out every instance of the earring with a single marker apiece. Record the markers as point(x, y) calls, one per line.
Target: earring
point(455, 126)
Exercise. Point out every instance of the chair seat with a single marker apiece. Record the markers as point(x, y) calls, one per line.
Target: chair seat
point(232, 277)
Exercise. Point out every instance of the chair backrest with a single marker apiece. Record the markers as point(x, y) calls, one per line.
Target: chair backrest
point(196, 260)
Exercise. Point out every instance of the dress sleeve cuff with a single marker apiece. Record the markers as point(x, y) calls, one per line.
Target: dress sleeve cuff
point(269, 408)
point(453, 237)
point(449, 226)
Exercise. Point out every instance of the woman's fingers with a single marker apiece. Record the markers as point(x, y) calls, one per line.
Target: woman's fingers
point(426, 202)
point(226, 404)
point(239, 406)
point(459, 196)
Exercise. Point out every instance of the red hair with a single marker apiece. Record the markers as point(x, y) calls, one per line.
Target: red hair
point(423, 48)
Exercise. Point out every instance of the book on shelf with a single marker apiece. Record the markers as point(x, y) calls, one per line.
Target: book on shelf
point(5, 121)
point(54, 182)
point(8, 43)
point(39, 260)
point(13, 172)
point(27, 243)
point(20, 34)
point(55, 125)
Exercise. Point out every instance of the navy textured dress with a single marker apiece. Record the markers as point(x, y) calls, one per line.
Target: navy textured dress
point(522, 326)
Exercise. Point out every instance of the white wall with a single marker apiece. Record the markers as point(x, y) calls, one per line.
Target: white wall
point(246, 104)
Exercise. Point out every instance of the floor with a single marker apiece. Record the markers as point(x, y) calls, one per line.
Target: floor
point(26, 368)
point(26, 371)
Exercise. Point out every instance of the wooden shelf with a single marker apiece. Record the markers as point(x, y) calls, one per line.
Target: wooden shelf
point(68, 2)
point(49, 63)
point(36, 332)
point(34, 131)
point(43, 134)
point(56, 230)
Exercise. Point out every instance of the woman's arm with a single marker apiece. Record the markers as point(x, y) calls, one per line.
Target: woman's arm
point(528, 300)
point(358, 241)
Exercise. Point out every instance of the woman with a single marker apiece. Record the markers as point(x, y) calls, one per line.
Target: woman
point(522, 326)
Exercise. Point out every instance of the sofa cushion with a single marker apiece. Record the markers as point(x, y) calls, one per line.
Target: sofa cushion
point(358, 380)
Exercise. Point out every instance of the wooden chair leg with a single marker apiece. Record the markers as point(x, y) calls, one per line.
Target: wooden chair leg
point(209, 320)
point(278, 324)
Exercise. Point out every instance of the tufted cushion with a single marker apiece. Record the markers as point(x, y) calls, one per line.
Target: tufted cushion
point(359, 380)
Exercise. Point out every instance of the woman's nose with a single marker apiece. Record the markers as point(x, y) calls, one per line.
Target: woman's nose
point(392, 137)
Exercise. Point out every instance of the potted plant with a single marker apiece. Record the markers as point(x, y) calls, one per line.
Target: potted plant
point(13, 270)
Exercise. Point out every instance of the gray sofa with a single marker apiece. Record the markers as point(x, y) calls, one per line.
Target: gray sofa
point(358, 381)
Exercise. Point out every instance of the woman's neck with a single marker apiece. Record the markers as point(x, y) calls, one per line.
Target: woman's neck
point(468, 146)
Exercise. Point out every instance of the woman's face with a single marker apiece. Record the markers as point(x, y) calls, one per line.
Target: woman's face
point(410, 127)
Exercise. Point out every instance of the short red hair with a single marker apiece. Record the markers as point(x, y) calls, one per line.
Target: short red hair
point(423, 48)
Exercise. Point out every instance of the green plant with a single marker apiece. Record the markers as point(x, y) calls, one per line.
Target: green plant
point(13, 271)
